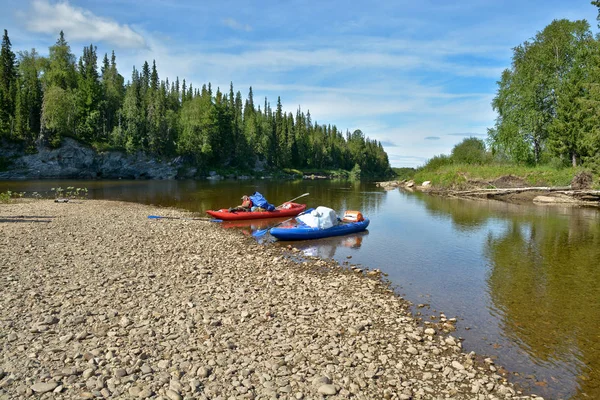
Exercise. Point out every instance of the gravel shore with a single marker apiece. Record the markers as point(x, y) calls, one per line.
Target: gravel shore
point(98, 301)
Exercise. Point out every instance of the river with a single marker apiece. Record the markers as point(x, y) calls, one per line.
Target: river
point(523, 281)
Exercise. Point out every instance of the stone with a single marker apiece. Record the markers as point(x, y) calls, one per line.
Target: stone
point(327, 390)
point(173, 395)
point(203, 372)
point(458, 365)
point(44, 387)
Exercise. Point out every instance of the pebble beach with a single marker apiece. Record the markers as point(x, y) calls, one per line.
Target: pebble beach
point(99, 301)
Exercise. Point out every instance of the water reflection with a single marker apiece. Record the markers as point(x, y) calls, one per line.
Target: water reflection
point(248, 227)
point(544, 283)
point(327, 247)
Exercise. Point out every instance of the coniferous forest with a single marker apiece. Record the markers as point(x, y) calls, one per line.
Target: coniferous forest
point(49, 98)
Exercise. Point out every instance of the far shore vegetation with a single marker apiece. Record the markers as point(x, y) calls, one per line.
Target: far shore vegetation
point(548, 116)
point(45, 99)
point(471, 163)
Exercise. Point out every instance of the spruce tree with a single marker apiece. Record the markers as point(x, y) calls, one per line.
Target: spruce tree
point(29, 99)
point(8, 87)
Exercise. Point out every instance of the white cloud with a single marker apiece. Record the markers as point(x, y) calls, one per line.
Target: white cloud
point(80, 24)
point(233, 24)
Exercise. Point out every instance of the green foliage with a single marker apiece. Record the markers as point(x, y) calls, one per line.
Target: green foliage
point(60, 97)
point(9, 196)
point(458, 175)
point(355, 173)
point(8, 87)
point(470, 151)
point(436, 162)
point(6, 197)
point(548, 101)
point(292, 171)
point(404, 173)
point(29, 99)
point(58, 114)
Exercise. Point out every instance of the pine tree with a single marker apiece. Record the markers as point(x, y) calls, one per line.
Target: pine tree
point(29, 99)
point(113, 93)
point(89, 95)
point(8, 87)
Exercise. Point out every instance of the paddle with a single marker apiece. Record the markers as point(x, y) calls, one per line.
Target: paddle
point(263, 231)
point(196, 219)
point(295, 198)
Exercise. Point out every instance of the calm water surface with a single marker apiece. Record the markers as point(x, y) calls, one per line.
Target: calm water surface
point(523, 281)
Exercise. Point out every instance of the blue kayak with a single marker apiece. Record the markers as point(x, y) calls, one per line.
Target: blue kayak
point(305, 232)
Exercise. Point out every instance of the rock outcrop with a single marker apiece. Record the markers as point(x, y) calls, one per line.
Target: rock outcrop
point(73, 160)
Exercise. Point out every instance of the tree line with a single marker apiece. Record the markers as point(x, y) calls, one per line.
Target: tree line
point(548, 101)
point(49, 98)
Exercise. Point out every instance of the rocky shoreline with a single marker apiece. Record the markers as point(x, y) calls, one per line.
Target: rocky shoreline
point(510, 190)
point(101, 302)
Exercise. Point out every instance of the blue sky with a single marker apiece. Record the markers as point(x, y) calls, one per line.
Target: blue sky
point(417, 76)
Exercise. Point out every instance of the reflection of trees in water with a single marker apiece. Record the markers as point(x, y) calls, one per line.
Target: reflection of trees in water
point(545, 278)
point(466, 215)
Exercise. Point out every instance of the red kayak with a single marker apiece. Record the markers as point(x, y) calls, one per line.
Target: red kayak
point(286, 210)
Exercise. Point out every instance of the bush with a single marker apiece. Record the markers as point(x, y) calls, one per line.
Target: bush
point(470, 151)
point(5, 197)
point(437, 162)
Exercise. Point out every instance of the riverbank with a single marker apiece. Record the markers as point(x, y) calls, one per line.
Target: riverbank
point(101, 301)
point(507, 188)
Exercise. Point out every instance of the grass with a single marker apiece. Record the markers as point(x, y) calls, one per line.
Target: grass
point(458, 175)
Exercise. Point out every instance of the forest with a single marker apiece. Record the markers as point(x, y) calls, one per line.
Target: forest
point(547, 127)
point(548, 101)
point(45, 99)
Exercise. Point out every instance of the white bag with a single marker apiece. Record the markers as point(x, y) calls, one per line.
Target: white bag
point(320, 217)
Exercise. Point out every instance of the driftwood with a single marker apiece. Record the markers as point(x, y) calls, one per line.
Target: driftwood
point(561, 194)
point(512, 190)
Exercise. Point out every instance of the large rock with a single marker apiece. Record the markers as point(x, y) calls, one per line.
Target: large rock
point(73, 160)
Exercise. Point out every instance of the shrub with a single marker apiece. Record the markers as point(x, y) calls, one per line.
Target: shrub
point(470, 151)
point(437, 162)
point(6, 197)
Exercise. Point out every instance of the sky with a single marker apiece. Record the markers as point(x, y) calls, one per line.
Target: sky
point(418, 76)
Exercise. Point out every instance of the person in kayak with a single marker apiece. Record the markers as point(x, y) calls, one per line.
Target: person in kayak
point(245, 206)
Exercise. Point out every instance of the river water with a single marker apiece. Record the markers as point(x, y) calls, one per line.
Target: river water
point(523, 281)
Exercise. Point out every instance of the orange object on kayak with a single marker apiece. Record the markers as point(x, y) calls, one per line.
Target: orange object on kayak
point(353, 216)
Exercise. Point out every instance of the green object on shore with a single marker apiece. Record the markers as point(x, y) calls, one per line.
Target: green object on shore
point(261, 232)
point(192, 219)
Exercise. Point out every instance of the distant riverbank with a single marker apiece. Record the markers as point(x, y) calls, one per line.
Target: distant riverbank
point(539, 185)
point(103, 301)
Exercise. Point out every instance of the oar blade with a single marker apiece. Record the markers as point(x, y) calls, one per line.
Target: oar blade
point(154, 216)
point(260, 233)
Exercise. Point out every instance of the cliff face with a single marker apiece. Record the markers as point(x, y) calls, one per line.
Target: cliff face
point(73, 160)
